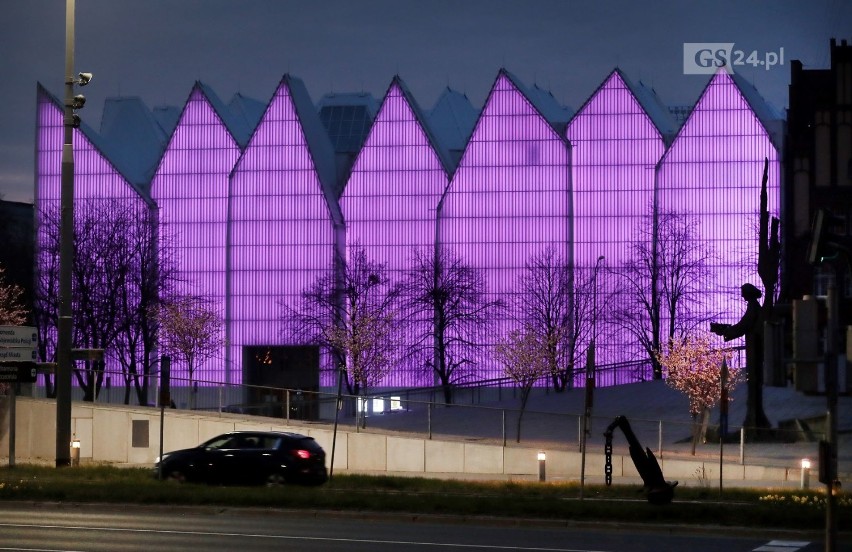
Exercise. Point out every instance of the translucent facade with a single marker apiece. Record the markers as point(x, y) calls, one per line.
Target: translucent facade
point(95, 176)
point(97, 181)
point(713, 170)
point(616, 145)
point(284, 224)
point(255, 212)
point(390, 201)
point(509, 199)
point(190, 188)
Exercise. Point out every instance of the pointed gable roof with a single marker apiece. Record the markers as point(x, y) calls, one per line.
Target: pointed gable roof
point(167, 117)
point(347, 118)
point(437, 145)
point(659, 114)
point(398, 89)
point(712, 95)
point(292, 90)
point(543, 101)
point(132, 137)
point(452, 119)
point(237, 125)
point(100, 146)
point(647, 100)
point(248, 109)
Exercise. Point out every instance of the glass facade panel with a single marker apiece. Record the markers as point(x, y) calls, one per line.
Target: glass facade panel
point(509, 199)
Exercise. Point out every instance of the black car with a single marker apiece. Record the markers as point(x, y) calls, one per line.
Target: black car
point(248, 458)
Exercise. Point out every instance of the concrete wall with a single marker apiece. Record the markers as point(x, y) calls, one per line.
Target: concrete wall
point(106, 435)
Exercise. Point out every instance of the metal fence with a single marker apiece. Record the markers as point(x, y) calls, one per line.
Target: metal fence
point(477, 414)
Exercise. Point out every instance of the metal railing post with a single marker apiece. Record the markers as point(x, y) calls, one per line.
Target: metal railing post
point(742, 446)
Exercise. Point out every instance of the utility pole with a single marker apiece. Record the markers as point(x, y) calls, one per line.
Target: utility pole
point(66, 256)
point(828, 447)
point(64, 354)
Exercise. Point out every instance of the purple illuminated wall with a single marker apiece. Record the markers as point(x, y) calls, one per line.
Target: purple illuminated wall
point(390, 201)
point(508, 199)
point(253, 230)
point(95, 177)
point(713, 170)
point(282, 231)
point(191, 191)
point(615, 147)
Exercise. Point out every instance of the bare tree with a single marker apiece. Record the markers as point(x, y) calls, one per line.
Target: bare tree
point(555, 303)
point(116, 278)
point(449, 295)
point(354, 312)
point(525, 360)
point(660, 300)
point(191, 332)
point(152, 275)
point(103, 263)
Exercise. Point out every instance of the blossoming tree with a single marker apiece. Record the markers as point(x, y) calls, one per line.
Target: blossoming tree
point(696, 367)
point(524, 358)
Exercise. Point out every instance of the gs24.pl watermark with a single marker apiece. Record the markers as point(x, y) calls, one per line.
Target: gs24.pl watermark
point(705, 58)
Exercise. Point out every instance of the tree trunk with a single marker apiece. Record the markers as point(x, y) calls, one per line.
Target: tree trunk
point(525, 395)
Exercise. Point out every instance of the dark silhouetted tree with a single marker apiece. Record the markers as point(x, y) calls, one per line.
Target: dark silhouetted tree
point(449, 298)
point(660, 300)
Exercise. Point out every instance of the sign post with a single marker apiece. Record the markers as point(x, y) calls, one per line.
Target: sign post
point(18, 346)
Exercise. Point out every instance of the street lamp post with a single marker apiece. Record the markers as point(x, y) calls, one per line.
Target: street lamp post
point(70, 121)
point(590, 378)
point(66, 256)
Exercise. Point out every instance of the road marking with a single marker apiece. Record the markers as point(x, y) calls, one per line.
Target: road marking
point(781, 546)
point(37, 549)
point(290, 537)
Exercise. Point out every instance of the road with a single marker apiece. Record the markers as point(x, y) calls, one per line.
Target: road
point(117, 528)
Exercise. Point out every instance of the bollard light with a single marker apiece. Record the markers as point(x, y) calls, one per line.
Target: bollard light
point(542, 459)
point(75, 451)
point(806, 474)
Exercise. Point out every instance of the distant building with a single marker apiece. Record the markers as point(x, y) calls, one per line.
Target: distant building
point(818, 168)
point(818, 175)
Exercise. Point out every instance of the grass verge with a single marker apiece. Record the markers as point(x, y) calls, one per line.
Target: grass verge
point(786, 509)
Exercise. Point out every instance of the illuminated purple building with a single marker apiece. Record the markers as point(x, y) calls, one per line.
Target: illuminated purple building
point(98, 182)
point(713, 171)
point(617, 137)
point(255, 200)
point(190, 188)
point(285, 230)
point(508, 199)
point(390, 201)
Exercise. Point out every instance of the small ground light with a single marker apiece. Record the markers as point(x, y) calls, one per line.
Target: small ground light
point(542, 459)
point(806, 473)
point(75, 452)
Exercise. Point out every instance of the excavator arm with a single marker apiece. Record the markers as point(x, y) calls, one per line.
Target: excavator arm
point(657, 489)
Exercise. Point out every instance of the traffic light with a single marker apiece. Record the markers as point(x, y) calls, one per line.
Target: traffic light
point(825, 243)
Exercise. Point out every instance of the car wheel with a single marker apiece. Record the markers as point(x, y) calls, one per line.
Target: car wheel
point(177, 476)
point(275, 480)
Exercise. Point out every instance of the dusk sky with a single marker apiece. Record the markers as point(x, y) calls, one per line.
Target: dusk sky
point(157, 49)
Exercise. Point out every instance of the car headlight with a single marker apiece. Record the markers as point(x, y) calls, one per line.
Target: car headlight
point(157, 459)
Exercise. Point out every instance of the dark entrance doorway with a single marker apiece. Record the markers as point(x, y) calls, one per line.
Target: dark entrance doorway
point(272, 370)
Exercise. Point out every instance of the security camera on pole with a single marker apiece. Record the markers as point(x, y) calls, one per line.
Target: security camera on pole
point(66, 245)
